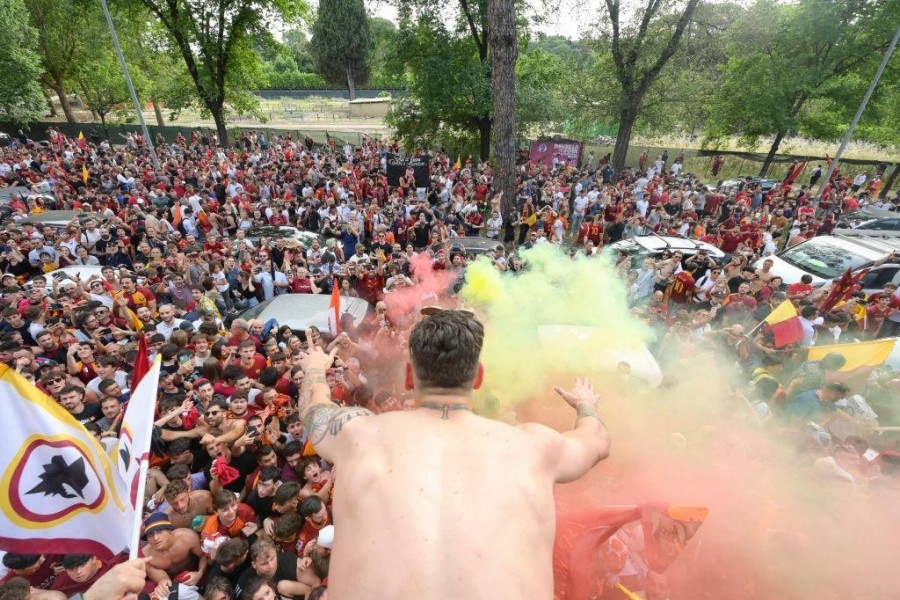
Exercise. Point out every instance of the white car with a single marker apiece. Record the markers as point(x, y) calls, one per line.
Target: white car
point(652, 246)
point(300, 311)
point(827, 257)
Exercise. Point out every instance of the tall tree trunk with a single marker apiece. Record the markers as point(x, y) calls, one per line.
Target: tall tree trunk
point(351, 85)
point(218, 116)
point(84, 90)
point(773, 150)
point(59, 86)
point(504, 51)
point(157, 110)
point(627, 116)
point(890, 182)
point(105, 128)
point(484, 132)
point(49, 100)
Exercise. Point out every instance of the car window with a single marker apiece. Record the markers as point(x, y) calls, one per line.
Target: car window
point(878, 278)
point(882, 225)
point(823, 258)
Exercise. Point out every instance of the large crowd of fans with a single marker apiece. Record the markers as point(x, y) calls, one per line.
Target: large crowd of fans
point(238, 504)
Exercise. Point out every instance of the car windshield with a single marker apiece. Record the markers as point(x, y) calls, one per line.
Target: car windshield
point(823, 258)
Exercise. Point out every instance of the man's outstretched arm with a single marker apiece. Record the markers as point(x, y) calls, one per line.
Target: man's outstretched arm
point(323, 419)
point(574, 452)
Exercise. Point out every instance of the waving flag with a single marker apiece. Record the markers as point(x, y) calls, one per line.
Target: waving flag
point(84, 174)
point(334, 309)
point(584, 537)
point(784, 323)
point(82, 143)
point(133, 447)
point(858, 355)
point(842, 289)
point(58, 492)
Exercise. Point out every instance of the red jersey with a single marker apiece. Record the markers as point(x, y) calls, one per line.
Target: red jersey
point(681, 288)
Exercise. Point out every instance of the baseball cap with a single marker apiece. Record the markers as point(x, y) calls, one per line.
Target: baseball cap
point(326, 537)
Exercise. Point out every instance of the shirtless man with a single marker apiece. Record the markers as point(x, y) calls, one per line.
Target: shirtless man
point(763, 276)
point(173, 554)
point(466, 501)
point(185, 504)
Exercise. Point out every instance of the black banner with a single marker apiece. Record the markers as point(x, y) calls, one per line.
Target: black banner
point(404, 166)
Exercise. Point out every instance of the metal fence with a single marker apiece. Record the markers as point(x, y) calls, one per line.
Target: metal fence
point(329, 93)
point(116, 133)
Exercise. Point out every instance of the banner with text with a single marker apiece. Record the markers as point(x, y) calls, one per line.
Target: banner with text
point(406, 167)
point(544, 152)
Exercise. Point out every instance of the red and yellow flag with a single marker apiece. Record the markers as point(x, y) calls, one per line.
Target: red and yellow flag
point(84, 174)
point(82, 142)
point(784, 323)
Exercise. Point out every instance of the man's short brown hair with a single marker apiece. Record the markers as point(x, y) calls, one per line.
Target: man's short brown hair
point(175, 487)
point(444, 349)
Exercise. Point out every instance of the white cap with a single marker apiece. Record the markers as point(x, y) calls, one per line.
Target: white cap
point(326, 537)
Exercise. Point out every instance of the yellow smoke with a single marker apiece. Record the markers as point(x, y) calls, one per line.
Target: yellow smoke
point(561, 317)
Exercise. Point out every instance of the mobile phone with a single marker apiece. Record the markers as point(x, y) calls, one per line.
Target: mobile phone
point(183, 359)
point(105, 331)
point(252, 431)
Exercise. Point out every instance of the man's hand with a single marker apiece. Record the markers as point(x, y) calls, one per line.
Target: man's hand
point(582, 393)
point(122, 581)
point(249, 529)
point(316, 358)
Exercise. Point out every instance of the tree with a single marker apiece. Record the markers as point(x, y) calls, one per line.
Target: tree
point(104, 85)
point(504, 51)
point(60, 26)
point(639, 53)
point(215, 40)
point(21, 98)
point(383, 36)
point(448, 92)
point(295, 41)
point(784, 60)
point(341, 43)
point(448, 74)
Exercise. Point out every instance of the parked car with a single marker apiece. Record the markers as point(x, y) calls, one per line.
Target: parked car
point(883, 227)
point(284, 232)
point(67, 275)
point(850, 220)
point(301, 311)
point(748, 181)
point(473, 245)
point(60, 219)
point(827, 257)
point(653, 246)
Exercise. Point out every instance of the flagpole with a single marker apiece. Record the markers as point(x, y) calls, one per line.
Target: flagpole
point(142, 479)
point(139, 509)
point(862, 107)
point(134, 98)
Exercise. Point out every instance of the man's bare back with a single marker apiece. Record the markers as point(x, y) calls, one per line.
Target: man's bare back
point(433, 508)
point(438, 503)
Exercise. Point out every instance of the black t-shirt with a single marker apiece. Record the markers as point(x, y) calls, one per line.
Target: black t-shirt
point(234, 576)
point(285, 571)
point(735, 282)
point(261, 506)
point(90, 413)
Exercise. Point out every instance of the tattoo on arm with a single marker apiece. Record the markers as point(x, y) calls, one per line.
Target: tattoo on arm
point(329, 419)
point(584, 410)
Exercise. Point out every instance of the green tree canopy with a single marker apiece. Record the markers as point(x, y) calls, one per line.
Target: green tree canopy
point(21, 99)
point(341, 43)
point(786, 58)
point(215, 39)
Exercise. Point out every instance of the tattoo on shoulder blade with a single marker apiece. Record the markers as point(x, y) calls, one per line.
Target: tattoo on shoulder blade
point(329, 419)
